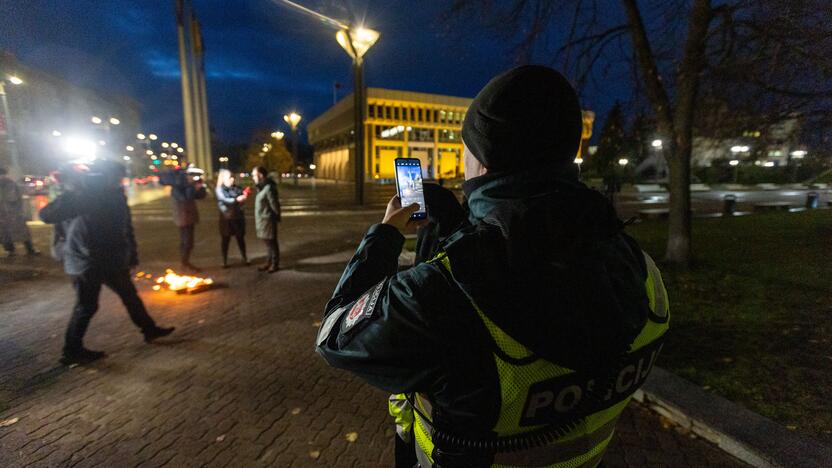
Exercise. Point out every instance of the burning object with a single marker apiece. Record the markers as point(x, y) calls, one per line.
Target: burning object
point(180, 284)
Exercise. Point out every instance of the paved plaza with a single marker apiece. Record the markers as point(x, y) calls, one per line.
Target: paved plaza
point(238, 384)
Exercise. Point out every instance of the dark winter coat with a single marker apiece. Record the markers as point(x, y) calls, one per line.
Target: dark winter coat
point(184, 197)
point(544, 258)
point(97, 230)
point(267, 210)
point(232, 219)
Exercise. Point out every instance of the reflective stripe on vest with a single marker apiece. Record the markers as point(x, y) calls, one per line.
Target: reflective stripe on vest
point(532, 390)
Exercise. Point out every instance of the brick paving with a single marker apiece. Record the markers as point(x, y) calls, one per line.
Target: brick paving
point(238, 384)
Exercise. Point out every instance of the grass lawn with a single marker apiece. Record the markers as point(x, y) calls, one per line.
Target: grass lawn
point(752, 320)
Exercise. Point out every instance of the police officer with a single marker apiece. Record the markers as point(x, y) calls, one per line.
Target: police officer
point(524, 338)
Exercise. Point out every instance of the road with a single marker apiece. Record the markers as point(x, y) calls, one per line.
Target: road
point(238, 384)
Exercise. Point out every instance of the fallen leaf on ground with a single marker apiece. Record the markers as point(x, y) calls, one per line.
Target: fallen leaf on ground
point(706, 387)
point(315, 454)
point(201, 321)
point(351, 436)
point(296, 411)
point(316, 324)
point(221, 438)
point(8, 422)
point(791, 428)
point(727, 360)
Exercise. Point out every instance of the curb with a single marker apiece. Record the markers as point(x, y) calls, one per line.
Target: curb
point(746, 435)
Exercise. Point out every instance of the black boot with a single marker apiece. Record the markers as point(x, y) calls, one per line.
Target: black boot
point(30, 249)
point(81, 356)
point(157, 332)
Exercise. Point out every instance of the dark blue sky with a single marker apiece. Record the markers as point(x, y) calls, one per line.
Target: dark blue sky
point(262, 60)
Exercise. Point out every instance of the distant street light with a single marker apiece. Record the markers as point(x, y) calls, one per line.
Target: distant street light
point(277, 135)
point(657, 144)
point(102, 142)
point(736, 165)
point(140, 136)
point(114, 121)
point(152, 136)
point(174, 145)
point(293, 119)
point(623, 162)
point(739, 149)
point(180, 150)
point(129, 148)
point(165, 144)
point(312, 167)
point(15, 80)
point(798, 154)
point(95, 120)
point(579, 160)
point(56, 133)
point(125, 157)
point(148, 152)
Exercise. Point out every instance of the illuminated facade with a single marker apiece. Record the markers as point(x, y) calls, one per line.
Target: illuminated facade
point(398, 124)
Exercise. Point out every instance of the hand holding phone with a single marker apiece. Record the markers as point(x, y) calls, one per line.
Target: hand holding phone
point(401, 217)
point(409, 186)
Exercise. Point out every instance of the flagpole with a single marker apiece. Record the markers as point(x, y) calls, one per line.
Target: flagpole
point(187, 101)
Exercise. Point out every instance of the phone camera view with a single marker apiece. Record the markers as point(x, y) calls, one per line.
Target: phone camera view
point(411, 190)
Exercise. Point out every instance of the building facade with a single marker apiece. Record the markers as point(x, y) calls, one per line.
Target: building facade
point(398, 124)
point(46, 111)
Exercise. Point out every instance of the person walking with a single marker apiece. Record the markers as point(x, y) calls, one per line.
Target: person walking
point(97, 248)
point(186, 188)
point(232, 220)
point(13, 226)
point(266, 216)
point(522, 341)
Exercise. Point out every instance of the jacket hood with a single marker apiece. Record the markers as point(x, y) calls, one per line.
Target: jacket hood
point(553, 268)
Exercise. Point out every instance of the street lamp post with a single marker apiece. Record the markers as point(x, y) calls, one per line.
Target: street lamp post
point(293, 119)
point(10, 142)
point(357, 42)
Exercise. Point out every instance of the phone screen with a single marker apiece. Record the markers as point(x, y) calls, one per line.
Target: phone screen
point(409, 183)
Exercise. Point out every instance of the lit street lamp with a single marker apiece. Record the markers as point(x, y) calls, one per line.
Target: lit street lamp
point(357, 41)
point(15, 157)
point(735, 163)
point(623, 162)
point(293, 119)
point(224, 162)
point(277, 135)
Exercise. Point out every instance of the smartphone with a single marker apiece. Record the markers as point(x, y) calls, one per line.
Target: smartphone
point(409, 185)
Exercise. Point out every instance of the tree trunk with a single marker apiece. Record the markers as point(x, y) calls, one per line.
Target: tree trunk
point(675, 125)
point(687, 82)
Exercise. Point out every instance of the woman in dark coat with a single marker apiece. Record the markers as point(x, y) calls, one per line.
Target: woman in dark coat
point(230, 199)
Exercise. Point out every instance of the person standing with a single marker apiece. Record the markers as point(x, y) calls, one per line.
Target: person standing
point(13, 226)
point(97, 248)
point(230, 199)
point(522, 341)
point(266, 216)
point(186, 188)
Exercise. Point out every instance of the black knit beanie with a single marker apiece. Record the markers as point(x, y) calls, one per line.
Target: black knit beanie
point(527, 116)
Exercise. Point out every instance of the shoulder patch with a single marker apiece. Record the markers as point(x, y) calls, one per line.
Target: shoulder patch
point(362, 308)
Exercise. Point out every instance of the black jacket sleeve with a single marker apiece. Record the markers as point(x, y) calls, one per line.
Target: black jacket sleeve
point(133, 258)
point(379, 324)
point(65, 207)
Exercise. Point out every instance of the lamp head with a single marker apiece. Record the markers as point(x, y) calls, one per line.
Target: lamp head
point(357, 41)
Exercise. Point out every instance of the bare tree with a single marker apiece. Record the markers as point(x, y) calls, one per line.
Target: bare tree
point(768, 59)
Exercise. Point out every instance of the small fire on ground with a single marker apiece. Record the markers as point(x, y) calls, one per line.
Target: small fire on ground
point(180, 284)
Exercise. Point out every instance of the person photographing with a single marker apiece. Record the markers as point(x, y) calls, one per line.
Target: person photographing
point(522, 341)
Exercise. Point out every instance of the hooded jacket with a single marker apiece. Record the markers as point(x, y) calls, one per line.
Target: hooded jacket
point(543, 256)
point(96, 230)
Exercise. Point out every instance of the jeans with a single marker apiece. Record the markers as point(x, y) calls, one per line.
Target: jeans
point(273, 255)
point(241, 243)
point(87, 287)
point(186, 243)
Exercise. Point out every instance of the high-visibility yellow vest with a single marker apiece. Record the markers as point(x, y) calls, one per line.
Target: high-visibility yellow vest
point(533, 390)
